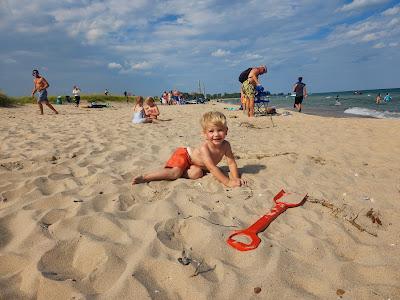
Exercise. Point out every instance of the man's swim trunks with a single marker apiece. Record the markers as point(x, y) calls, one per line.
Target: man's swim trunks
point(298, 99)
point(42, 96)
point(248, 89)
point(179, 159)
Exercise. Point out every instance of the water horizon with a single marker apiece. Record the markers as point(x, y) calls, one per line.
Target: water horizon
point(359, 103)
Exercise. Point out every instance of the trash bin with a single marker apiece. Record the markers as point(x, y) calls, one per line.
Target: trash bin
point(59, 100)
point(68, 98)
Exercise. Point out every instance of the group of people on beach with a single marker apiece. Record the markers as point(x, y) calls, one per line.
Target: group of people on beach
point(186, 162)
point(172, 97)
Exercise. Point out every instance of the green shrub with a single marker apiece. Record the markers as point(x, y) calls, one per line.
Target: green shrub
point(5, 100)
point(84, 97)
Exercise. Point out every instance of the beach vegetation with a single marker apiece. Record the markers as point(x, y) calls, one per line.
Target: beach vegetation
point(5, 101)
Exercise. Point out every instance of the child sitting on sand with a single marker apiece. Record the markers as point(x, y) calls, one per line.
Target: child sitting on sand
point(191, 162)
point(151, 108)
point(139, 115)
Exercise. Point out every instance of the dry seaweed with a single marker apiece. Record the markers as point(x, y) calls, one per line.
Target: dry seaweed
point(374, 216)
point(337, 211)
point(262, 155)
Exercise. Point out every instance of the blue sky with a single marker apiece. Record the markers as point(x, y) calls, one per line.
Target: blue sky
point(147, 46)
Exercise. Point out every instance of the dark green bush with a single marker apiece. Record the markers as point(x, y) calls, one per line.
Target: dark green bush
point(5, 100)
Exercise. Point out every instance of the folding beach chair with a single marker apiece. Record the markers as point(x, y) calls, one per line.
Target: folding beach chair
point(261, 105)
point(261, 102)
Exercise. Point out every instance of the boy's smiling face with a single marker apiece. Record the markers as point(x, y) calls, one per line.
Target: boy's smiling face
point(215, 134)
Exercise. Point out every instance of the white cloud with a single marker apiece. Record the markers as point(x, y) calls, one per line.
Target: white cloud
point(9, 60)
point(369, 37)
point(379, 46)
point(94, 34)
point(360, 4)
point(392, 11)
point(175, 35)
point(220, 53)
point(114, 65)
point(253, 56)
point(141, 66)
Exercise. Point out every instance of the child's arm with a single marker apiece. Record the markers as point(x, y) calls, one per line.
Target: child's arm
point(233, 167)
point(231, 162)
point(156, 111)
point(214, 170)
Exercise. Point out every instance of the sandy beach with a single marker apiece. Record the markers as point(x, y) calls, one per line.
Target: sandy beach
point(73, 227)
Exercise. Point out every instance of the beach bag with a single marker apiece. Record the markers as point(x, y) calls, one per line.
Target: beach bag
point(244, 75)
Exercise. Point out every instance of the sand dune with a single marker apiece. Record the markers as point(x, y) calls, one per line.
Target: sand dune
point(73, 227)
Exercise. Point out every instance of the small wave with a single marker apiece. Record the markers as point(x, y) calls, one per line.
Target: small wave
point(372, 113)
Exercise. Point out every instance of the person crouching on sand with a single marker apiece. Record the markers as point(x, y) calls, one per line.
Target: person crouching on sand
point(151, 108)
point(192, 162)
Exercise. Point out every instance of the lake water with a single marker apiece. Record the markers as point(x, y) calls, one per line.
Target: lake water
point(351, 104)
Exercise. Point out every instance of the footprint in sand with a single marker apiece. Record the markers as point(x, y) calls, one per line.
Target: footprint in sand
point(318, 160)
point(103, 228)
point(11, 264)
point(87, 263)
point(168, 233)
point(53, 216)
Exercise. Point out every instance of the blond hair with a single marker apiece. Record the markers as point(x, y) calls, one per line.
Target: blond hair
point(213, 118)
point(149, 100)
point(139, 99)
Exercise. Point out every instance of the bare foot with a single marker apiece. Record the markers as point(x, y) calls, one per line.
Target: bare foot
point(138, 179)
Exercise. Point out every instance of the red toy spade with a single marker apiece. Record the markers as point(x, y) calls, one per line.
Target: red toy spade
point(262, 223)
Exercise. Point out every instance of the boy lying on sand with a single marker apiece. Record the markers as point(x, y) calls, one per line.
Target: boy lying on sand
point(191, 162)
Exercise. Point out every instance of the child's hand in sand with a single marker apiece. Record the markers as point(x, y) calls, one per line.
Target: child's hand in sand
point(236, 182)
point(138, 179)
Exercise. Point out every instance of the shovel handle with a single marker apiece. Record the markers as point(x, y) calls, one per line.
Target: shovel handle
point(254, 240)
point(261, 224)
point(251, 232)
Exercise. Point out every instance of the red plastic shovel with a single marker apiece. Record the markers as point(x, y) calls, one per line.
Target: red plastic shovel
point(262, 223)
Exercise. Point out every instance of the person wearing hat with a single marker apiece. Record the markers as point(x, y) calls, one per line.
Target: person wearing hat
point(40, 86)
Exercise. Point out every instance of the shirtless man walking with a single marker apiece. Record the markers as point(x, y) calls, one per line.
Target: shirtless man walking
point(40, 86)
point(249, 88)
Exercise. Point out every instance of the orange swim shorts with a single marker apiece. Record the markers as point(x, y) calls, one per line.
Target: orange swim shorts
point(179, 159)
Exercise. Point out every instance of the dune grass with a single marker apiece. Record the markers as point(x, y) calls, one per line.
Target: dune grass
point(5, 101)
point(10, 101)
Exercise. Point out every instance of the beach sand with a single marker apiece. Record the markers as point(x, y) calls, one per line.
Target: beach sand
point(73, 227)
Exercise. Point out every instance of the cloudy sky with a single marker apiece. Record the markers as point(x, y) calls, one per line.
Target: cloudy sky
point(147, 46)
